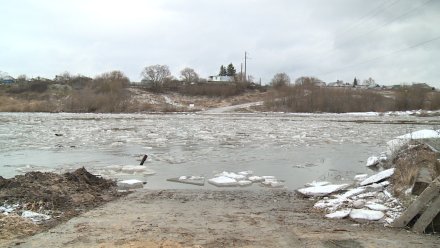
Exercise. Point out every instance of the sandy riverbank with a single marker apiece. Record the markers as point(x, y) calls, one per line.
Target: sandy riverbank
point(205, 218)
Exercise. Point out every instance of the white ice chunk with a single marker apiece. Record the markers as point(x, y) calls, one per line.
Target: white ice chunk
point(256, 179)
point(268, 177)
point(421, 134)
point(360, 177)
point(330, 204)
point(274, 183)
point(130, 184)
point(353, 192)
point(245, 173)
point(378, 177)
point(372, 161)
point(35, 217)
point(364, 214)
point(232, 175)
point(376, 206)
point(222, 181)
point(339, 214)
point(315, 183)
point(244, 182)
point(322, 190)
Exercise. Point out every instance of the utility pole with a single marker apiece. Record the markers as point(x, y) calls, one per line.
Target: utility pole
point(241, 72)
point(245, 60)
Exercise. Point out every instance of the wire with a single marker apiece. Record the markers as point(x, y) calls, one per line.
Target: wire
point(382, 56)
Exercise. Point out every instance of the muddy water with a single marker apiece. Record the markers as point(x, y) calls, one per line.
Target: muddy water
point(295, 148)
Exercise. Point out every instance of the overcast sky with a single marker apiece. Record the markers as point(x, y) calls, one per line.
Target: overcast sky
point(391, 41)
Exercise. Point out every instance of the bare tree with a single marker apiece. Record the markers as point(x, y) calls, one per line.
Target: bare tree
point(311, 81)
point(280, 80)
point(188, 75)
point(369, 82)
point(156, 75)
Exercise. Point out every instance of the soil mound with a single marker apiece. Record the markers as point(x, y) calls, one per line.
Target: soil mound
point(60, 196)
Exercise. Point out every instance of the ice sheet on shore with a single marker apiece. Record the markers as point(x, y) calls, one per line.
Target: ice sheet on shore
point(340, 214)
point(376, 206)
point(364, 214)
point(322, 190)
point(378, 177)
point(398, 142)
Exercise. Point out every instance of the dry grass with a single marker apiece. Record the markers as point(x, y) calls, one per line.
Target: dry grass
point(408, 162)
point(13, 226)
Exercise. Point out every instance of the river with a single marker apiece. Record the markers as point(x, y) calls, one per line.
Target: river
point(296, 148)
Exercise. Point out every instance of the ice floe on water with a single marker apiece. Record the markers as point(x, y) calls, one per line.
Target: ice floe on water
point(231, 179)
point(244, 178)
point(130, 184)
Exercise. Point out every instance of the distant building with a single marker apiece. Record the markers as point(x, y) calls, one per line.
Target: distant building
point(7, 79)
point(338, 83)
point(220, 79)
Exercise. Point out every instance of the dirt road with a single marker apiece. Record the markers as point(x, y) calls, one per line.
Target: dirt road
point(202, 218)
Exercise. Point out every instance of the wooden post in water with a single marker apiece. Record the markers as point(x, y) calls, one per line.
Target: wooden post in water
point(143, 159)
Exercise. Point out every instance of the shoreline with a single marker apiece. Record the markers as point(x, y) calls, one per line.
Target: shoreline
point(217, 218)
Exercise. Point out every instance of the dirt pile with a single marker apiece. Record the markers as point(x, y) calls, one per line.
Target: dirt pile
point(60, 196)
point(416, 166)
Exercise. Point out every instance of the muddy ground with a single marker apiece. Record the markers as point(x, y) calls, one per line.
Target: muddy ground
point(229, 218)
point(59, 196)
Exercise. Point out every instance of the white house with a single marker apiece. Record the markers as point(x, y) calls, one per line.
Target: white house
point(220, 79)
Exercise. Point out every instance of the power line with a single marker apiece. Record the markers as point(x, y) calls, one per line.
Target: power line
point(391, 21)
point(333, 51)
point(368, 16)
point(382, 56)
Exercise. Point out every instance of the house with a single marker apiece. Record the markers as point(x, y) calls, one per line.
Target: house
point(220, 79)
point(7, 79)
point(338, 83)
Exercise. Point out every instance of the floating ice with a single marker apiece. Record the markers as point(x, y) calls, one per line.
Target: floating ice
point(322, 190)
point(378, 177)
point(315, 183)
point(364, 214)
point(128, 169)
point(339, 214)
point(130, 184)
point(255, 179)
point(372, 161)
point(273, 182)
point(232, 175)
point(222, 181)
point(360, 177)
point(246, 173)
point(244, 182)
point(35, 217)
point(195, 180)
